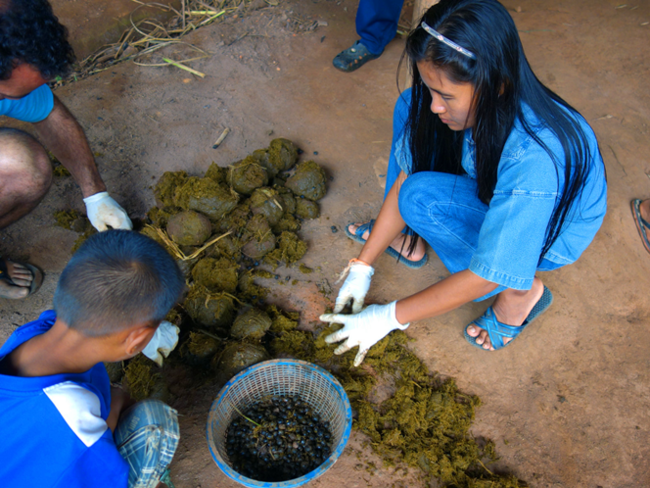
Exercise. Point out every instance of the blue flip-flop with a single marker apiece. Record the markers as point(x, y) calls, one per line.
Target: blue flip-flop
point(497, 331)
point(390, 251)
point(642, 225)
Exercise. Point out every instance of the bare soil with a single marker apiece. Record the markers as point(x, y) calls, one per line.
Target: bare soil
point(567, 405)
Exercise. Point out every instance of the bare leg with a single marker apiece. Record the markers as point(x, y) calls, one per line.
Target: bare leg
point(25, 177)
point(511, 307)
point(400, 240)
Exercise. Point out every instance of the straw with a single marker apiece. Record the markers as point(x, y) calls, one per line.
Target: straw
point(144, 37)
point(183, 67)
point(176, 251)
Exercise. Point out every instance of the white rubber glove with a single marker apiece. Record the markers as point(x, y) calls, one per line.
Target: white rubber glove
point(103, 211)
point(355, 287)
point(162, 343)
point(364, 329)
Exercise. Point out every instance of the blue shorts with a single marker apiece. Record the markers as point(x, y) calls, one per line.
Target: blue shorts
point(147, 437)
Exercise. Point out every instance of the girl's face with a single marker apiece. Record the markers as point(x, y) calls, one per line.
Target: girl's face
point(451, 100)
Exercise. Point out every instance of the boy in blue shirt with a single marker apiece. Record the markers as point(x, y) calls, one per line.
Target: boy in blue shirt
point(35, 51)
point(64, 424)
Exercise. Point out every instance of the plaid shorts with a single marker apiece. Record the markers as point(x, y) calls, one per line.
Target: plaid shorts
point(147, 437)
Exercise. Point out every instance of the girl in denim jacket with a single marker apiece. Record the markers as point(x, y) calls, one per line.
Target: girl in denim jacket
point(495, 171)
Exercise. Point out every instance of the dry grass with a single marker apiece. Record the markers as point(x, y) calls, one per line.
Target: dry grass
point(145, 37)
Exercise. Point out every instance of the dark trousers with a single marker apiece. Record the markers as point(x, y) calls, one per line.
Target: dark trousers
point(377, 22)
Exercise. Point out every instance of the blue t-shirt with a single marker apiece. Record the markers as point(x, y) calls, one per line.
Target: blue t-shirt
point(33, 107)
point(53, 429)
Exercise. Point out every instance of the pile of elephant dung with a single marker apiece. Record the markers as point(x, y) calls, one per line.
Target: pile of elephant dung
point(222, 227)
point(259, 202)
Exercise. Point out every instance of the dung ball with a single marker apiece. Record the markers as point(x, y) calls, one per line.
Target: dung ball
point(251, 324)
point(189, 228)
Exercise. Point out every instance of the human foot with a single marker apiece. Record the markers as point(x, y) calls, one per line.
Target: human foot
point(511, 307)
point(400, 244)
point(18, 280)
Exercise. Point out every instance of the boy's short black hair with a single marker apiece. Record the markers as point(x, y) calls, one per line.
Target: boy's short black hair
point(30, 33)
point(115, 280)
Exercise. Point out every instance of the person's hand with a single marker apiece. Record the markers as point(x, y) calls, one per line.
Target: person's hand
point(355, 287)
point(103, 211)
point(162, 343)
point(363, 329)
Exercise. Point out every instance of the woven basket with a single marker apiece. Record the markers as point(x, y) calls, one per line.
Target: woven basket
point(283, 377)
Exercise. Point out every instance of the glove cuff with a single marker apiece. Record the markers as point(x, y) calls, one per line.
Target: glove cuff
point(361, 267)
point(397, 325)
point(96, 197)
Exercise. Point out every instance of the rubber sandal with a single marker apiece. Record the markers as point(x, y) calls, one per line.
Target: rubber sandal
point(642, 225)
point(165, 478)
point(390, 251)
point(37, 276)
point(497, 331)
point(353, 57)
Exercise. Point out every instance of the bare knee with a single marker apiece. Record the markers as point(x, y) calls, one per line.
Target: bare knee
point(25, 168)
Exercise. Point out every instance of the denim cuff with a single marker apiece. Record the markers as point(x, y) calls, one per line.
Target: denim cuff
point(499, 277)
point(556, 259)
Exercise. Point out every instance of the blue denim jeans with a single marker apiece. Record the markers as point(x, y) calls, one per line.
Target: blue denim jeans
point(446, 212)
point(147, 437)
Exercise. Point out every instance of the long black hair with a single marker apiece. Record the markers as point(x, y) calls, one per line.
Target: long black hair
point(503, 82)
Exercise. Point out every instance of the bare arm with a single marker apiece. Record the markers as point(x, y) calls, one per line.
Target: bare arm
point(442, 297)
point(439, 298)
point(63, 136)
point(120, 401)
point(387, 227)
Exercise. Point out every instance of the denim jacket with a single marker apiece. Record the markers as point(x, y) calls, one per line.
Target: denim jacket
point(513, 233)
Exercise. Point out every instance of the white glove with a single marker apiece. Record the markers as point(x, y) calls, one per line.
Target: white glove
point(162, 343)
point(102, 211)
point(354, 288)
point(364, 329)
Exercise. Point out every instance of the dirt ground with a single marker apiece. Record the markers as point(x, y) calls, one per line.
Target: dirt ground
point(568, 405)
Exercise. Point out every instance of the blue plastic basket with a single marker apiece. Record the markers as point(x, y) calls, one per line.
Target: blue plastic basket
point(284, 377)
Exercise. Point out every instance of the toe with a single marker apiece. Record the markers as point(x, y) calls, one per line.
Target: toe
point(353, 230)
point(473, 331)
point(481, 335)
point(487, 343)
point(23, 281)
point(12, 292)
point(482, 338)
point(19, 274)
